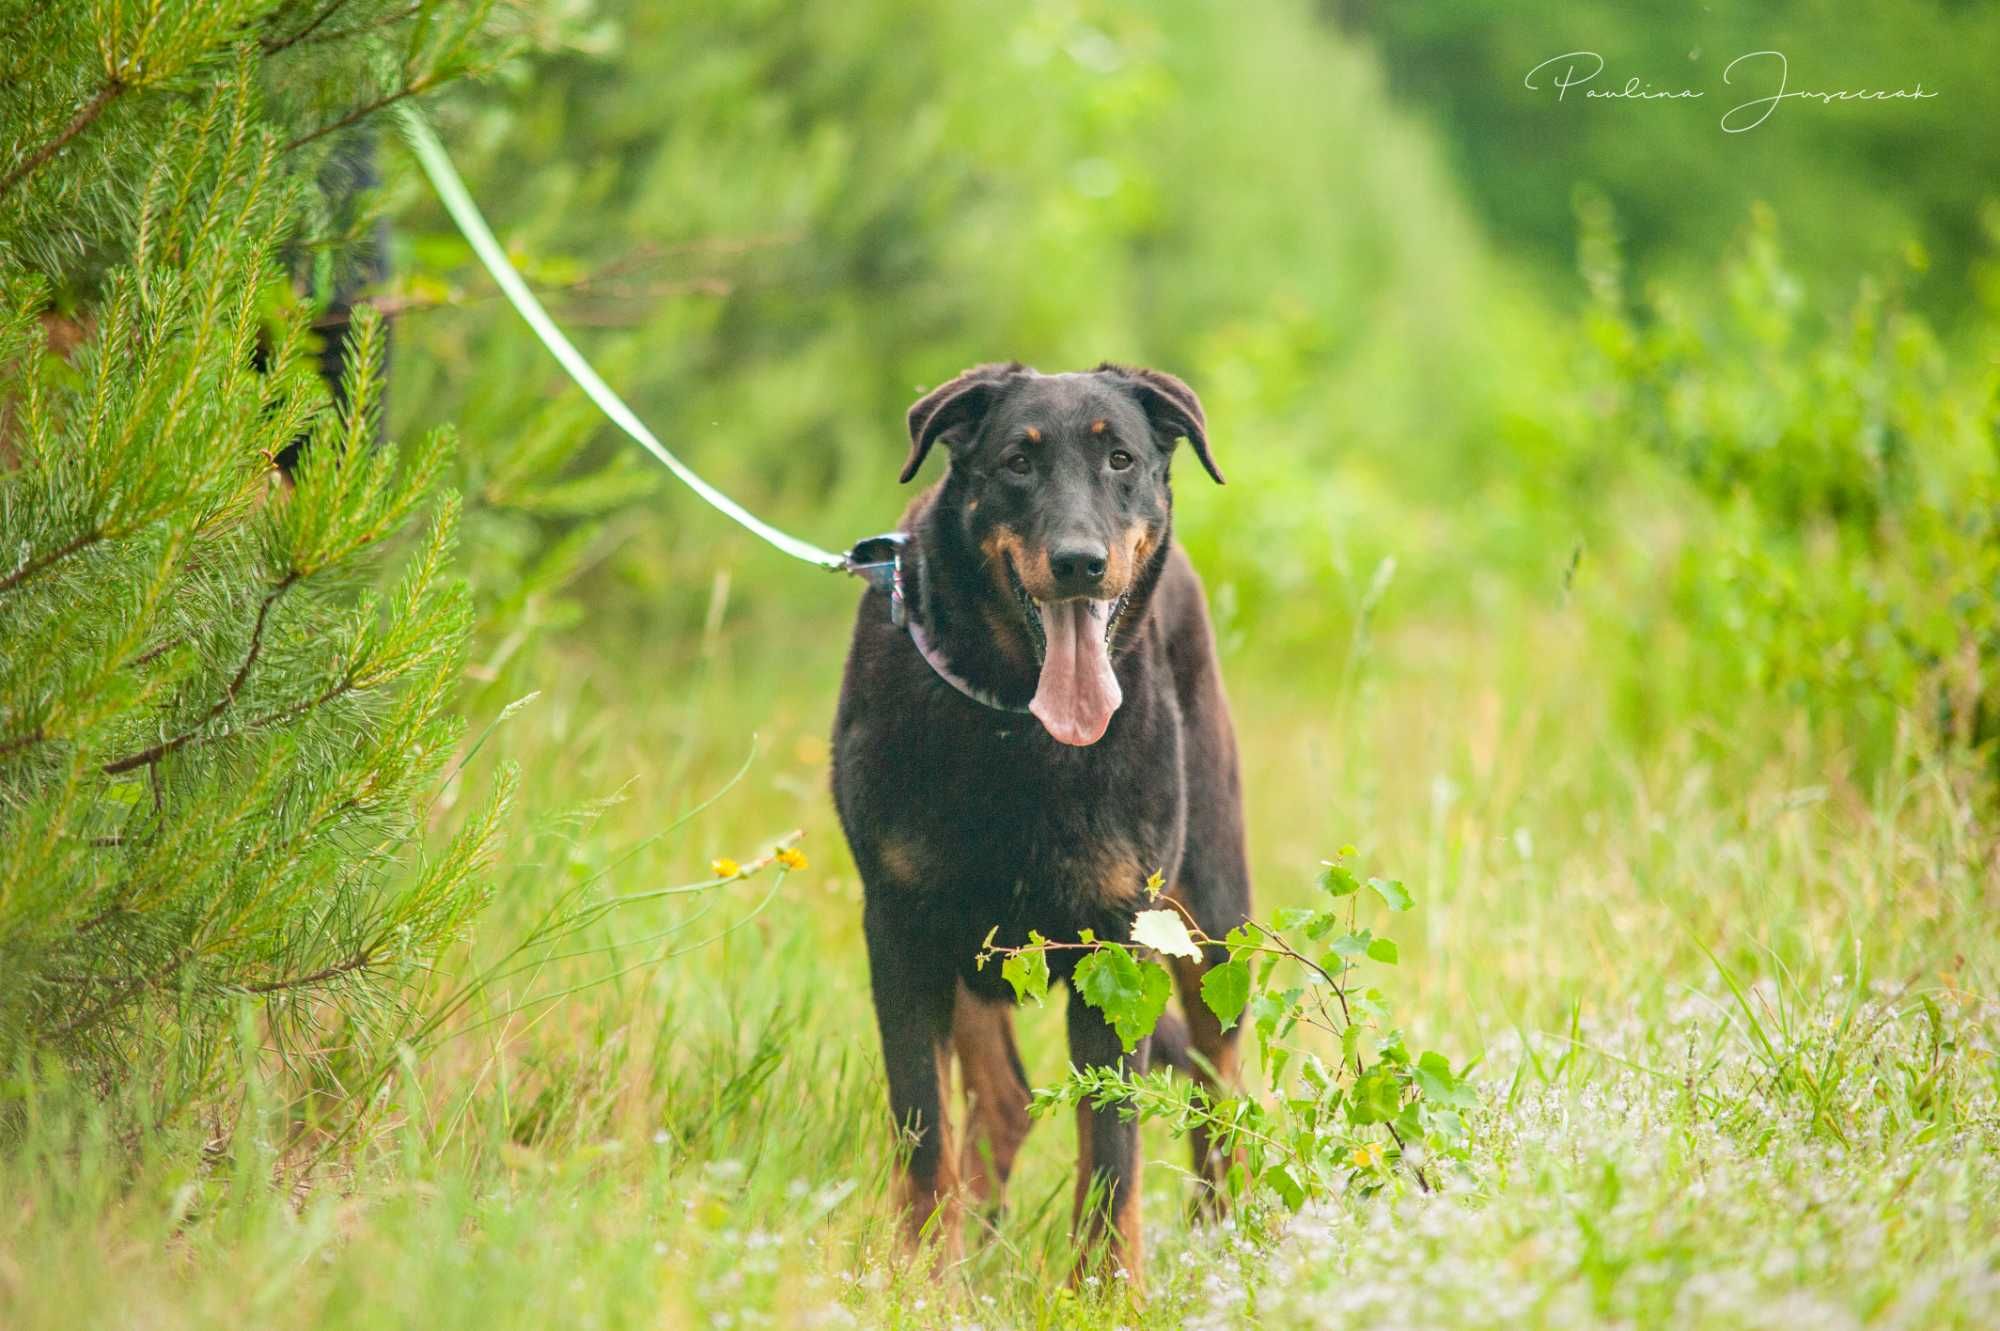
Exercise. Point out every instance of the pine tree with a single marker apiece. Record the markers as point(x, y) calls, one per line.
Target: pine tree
point(224, 693)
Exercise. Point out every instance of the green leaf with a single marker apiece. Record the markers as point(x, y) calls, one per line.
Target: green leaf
point(1353, 945)
point(1369, 1003)
point(1226, 990)
point(1445, 1124)
point(1276, 1059)
point(1434, 1078)
point(1382, 950)
point(1028, 972)
point(1274, 1010)
point(1291, 917)
point(1376, 1098)
point(1129, 992)
point(1336, 880)
point(1279, 1179)
point(1392, 891)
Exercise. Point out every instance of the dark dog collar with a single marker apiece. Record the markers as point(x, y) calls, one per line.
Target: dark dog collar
point(879, 559)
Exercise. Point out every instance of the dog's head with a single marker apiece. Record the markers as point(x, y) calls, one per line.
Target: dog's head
point(1060, 482)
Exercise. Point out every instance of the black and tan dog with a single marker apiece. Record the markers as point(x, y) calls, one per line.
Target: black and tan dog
point(1046, 730)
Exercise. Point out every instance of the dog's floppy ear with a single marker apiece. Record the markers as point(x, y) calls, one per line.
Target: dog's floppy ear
point(953, 405)
point(1170, 405)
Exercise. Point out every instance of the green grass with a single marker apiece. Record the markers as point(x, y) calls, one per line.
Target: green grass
point(1734, 1070)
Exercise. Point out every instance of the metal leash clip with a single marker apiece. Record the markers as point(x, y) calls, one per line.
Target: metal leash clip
point(879, 559)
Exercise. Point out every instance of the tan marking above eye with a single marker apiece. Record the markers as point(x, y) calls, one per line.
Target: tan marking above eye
point(1034, 435)
point(1099, 426)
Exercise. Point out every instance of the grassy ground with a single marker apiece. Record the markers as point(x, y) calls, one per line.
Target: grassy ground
point(1735, 1071)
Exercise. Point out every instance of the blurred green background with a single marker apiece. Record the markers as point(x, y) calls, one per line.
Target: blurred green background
point(1435, 316)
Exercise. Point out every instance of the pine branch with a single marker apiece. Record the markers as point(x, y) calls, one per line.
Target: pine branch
point(343, 685)
point(274, 45)
point(339, 968)
point(158, 751)
point(153, 653)
point(362, 112)
point(334, 690)
point(140, 984)
point(123, 995)
point(78, 123)
point(40, 562)
point(380, 21)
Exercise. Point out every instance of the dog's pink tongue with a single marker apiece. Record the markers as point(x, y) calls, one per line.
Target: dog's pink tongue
point(1078, 691)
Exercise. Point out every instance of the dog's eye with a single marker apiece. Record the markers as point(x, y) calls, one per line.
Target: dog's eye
point(1019, 464)
point(1120, 459)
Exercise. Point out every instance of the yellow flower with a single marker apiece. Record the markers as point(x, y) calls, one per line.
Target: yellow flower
point(1365, 1157)
point(725, 867)
point(1155, 883)
point(791, 858)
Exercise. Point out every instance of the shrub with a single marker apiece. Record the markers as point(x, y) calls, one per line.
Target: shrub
point(1350, 1104)
point(219, 724)
point(1843, 477)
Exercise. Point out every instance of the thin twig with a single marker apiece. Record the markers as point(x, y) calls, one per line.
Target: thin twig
point(379, 21)
point(39, 562)
point(78, 123)
point(167, 746)
point(153, 653)
point(1415, 1168)
point(337, 969)
point(361, 112)
point(98, 920)
point(124, 995)
point(273, 46)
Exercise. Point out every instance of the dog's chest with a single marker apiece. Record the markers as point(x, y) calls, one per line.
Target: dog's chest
point(994, 825)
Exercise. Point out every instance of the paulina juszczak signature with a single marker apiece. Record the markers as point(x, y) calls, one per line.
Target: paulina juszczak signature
point(1580, 69)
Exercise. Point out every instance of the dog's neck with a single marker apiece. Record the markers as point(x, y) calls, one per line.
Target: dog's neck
point(976, 626)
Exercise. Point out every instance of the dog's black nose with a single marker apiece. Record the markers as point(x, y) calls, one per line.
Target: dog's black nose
point(1078, 566)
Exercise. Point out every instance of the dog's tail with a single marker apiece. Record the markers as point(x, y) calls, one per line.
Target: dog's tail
point(1170, 1046)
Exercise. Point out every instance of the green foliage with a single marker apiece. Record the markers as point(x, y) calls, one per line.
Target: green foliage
point(225, 696)
point(86, 90)
point(1851, 477)
point(1334, 1066)
point(1131, 993)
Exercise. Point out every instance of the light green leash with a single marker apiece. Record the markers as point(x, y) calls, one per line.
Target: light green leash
point(452, 193)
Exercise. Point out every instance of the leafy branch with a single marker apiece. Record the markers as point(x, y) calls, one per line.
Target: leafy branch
point(1314, 1133)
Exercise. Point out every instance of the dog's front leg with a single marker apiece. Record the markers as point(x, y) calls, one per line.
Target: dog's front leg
point(913, 1001)
point(1108, 1165)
